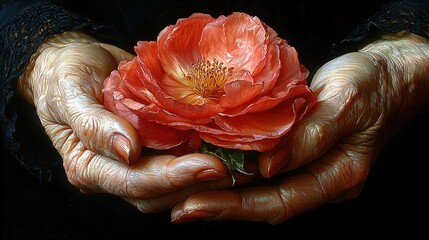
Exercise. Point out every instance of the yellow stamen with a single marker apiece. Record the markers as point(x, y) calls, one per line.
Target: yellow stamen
point(207, 78)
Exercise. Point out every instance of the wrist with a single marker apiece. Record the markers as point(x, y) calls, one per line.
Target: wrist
point(402, 63)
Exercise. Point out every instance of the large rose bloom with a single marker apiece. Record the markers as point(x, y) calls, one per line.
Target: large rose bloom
point(230, 81)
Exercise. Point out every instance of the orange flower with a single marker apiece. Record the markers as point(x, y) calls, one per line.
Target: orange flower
point(230, 81)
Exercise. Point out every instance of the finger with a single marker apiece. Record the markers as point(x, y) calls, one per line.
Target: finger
point(99, 129)
point(339, 104)
point(149, 177)
point(76, 98)
point(169, 200)
point(118, 53)
point(317, 185)
point(252, 204)
point(349, 194)
point(102, 131)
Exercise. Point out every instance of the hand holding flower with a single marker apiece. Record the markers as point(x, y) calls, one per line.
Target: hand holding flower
point(363, 98)
point(101, 151)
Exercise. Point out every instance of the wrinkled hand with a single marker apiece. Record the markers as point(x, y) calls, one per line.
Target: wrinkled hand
point(100, 151)
point(363, 98)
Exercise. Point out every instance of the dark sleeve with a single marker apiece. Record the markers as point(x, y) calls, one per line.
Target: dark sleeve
point(23, 27)
point(392, 17)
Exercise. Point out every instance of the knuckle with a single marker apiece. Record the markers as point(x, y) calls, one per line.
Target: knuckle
point(75, 163)
point(73, 170)
point(130, 188)
point(317, 134)
point(359, 172)
point(283, 211)
point(315, 130)
point(353, 169)
point(87, 127)
point(89, 124)
point(341, 173)
point(325, 183)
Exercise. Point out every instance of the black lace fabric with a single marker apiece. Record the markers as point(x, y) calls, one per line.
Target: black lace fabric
point(396, 16)
point(26, 30)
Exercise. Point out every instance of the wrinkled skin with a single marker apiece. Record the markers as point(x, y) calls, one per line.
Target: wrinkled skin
point(101, 151)
point(363, 98)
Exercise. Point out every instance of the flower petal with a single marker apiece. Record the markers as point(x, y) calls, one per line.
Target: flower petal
point(272, 123)
point(147, 53)
point(153, 113)
point(151, 134)
point(169, 92)
point(299, 108)
point(271, 70)
point(293, 73)
point(158, 136)
point(290, 83)
point(239, 92)
point(267, 102)
point(238, 41)
point(192, 145)
point(130, 83)
point(193, 112)
point(262, 145)
point(178, 44)
point(150, 64)
point(257, 96)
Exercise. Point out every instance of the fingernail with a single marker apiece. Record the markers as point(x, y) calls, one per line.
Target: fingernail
point(276, 164)
point(176, 213)
point(121, 147)
point(209, 174)
point(192, 216)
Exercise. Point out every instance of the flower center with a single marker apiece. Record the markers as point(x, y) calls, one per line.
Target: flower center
point(207, 78)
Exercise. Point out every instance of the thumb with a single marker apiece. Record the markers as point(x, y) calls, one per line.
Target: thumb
point(328, 121)
point(307, 141)
point(99, 129)
point(102, 131)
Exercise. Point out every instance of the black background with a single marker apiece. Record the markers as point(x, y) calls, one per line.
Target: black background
point(393, 203)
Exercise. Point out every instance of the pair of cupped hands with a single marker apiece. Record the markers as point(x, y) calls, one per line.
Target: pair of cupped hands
point(363, 98)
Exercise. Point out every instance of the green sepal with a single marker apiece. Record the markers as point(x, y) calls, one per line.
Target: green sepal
point(233, 158)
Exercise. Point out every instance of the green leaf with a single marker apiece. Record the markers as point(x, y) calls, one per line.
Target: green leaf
point(233, 158)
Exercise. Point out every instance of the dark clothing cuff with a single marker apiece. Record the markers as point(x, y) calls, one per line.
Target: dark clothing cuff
point(393, 17)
